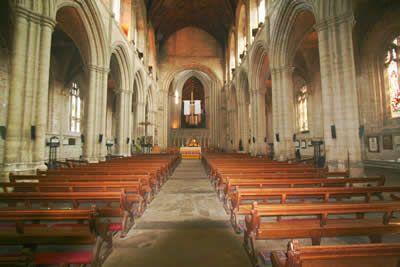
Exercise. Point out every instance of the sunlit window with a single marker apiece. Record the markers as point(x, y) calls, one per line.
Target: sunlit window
point(392, 72)
point(261, 11)
point(302, 115)
point(117, 10)
point(75, 109)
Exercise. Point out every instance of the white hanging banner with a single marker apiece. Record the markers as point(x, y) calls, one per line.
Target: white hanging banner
point(186, 107)
point(197, 107)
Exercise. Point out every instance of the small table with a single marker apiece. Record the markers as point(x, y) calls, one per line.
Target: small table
point(188, 152)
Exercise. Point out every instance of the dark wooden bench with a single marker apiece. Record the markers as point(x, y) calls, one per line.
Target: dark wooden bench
point(317, 220)
point(35, 228)
point(357, 255)
point(81, 186)
point(233, 184)
point(240, 203)
point(144, 180)
point(124, 207)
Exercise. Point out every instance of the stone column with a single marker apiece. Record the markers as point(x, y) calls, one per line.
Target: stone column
point(47, 28)
point(17, 88)
point(163, 109)
point(283, 112)
point(94, 150)
point(102, 87)
point(141, 116)
point(120, 147)
point(259, 122)
point(128, 122)
point(339, 94)
point(90, 134)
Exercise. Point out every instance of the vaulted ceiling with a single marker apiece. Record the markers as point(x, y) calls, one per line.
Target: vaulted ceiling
point(213, 16)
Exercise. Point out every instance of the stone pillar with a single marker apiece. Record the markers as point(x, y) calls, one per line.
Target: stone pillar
point(243, 124)
point(42, 91)
point(339, 94)
point(101, 119)
point(29, 81)
point(17, 89)
point(93, 149)
point(163, 110)
point(259, 122)
point(141, 116)
point(90, 135)
point(121, 109)
point(128, 122)
point(283, 112)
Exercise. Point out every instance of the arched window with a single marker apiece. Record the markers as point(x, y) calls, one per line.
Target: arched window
point(193, 104)
point(302, 116)
point(117, 10)
point(261, 11)
point(75, 109)
point(392, 74)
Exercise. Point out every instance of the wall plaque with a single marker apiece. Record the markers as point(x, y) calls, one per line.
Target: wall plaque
point(387, 142)
point(373, 144)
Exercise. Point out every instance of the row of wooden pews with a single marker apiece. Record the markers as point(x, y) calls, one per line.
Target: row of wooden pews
point(71, 215)
point(270, 200)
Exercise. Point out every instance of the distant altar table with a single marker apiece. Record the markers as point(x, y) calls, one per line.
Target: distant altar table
point(188, 152)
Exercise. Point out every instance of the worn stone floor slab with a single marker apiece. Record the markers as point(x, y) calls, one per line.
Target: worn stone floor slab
point(185, 225)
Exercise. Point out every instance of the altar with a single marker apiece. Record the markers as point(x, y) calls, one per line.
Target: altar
point(192, 150)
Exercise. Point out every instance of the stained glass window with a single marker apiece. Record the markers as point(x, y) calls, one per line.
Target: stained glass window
point(392, 72)
point(302, 111)
point(75, 109)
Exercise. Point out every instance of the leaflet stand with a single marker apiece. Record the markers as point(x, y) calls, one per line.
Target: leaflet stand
point(54, 143)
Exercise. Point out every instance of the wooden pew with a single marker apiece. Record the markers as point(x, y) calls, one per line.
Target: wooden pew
point(18, 259)
point(144, 180)
point(125, 211)
point(241, 200)
point(234, 183)
point(35, 228)
point(357, 255)
point(131, 188)
point(319, 222)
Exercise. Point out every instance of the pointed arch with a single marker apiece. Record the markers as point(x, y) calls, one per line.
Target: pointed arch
point(284, 35)
point(85, 13)
point(121, 52)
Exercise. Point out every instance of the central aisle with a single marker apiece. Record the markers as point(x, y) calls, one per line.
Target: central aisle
point(185, 225)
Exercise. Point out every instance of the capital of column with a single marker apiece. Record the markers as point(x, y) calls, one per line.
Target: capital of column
point(98, 69)
point(121, 91)
point(29, 15)
point(326, 23)
point(279, 70)
point(260, 91)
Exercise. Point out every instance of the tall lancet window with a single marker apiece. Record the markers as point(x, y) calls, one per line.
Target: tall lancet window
point(193, 104)
point(261, 11)
point(302, 111)
point(117, 10)
point(392, 73)
point(75, 109)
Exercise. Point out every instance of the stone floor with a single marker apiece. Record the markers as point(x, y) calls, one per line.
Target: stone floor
point(185, 225)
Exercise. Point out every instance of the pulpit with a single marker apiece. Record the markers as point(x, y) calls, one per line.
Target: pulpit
point(192, 150)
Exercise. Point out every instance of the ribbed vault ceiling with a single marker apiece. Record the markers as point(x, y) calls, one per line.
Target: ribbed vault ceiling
point(213, 16)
